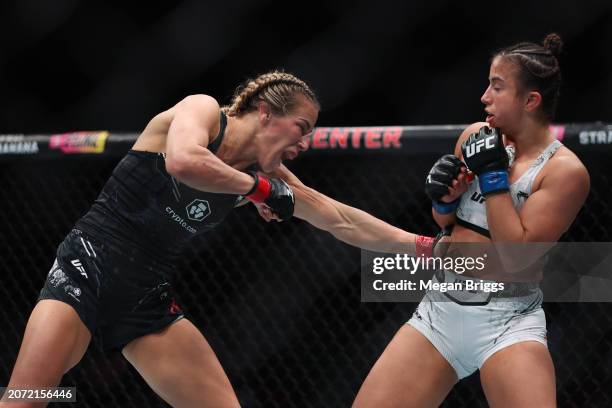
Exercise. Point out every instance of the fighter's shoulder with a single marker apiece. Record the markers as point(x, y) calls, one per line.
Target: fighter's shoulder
point(473, 128)
point(203, 105)
point(565, 165)
point(200, 109)
point(199, 100)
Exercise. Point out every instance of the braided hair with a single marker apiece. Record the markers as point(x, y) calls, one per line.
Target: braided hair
point(538, 69)
point(277, 88)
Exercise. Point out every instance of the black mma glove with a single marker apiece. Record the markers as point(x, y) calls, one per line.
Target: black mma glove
point(485, 154)
point(439, 179)
point(274, 193)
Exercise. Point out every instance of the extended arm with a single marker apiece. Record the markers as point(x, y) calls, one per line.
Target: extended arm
point(346, 223)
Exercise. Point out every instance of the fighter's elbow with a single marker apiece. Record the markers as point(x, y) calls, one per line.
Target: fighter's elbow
point(178, 166)
point(186, 165)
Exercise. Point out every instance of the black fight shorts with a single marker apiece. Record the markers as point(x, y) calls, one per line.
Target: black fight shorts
point(118, 294)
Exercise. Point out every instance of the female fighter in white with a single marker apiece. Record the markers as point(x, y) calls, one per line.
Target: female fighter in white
point(536, 199)
point(533, 199)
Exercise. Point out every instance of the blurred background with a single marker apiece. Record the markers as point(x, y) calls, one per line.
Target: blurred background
point(280, 304)
point(105, 64)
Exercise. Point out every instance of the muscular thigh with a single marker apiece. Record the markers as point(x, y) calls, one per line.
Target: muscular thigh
point(55, 340)
point(521, 375)
point(181, 367)
point(409, 373)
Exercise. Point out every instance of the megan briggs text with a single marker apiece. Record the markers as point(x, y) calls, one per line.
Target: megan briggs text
point(405, 284)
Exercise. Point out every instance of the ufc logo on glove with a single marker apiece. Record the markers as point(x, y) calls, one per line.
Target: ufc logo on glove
point(485, 155)
point(472, 149)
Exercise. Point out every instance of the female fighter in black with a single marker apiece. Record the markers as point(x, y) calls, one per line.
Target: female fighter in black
point(112, 275)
